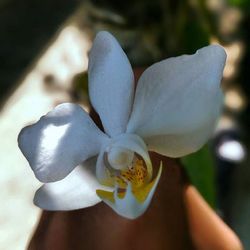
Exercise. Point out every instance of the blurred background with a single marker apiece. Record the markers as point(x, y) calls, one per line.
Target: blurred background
point(43, 61)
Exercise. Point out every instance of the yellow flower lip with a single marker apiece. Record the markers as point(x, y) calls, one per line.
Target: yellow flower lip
point(132, 193)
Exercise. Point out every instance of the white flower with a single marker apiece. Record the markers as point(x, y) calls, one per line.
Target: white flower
point(172, 112)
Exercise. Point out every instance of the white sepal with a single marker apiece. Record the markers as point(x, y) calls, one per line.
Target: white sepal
point(111, 83)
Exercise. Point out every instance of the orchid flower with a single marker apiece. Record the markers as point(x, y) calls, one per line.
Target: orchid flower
point(172, 111)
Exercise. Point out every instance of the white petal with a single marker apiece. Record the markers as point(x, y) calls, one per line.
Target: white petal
point(60, 141)
point(179, 96)
point(128, 206)
point(111, 83)
point(77, 190)
point(180, 144)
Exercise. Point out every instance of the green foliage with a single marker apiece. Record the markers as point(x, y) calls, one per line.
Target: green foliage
point(201, 172)
point(240, 3)
point(193, 29)
point(197, 28)
point(81, 82)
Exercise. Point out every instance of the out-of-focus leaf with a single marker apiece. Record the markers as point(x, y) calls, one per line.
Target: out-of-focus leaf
point(240, 3)
point(80, 88)
point(201, 172)
point(81, 82)
point(194, 36)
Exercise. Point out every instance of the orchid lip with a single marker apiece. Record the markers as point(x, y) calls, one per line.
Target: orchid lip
point(132, 202)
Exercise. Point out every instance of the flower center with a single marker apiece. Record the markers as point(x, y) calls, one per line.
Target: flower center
point(125, 163)
point(124, 160)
